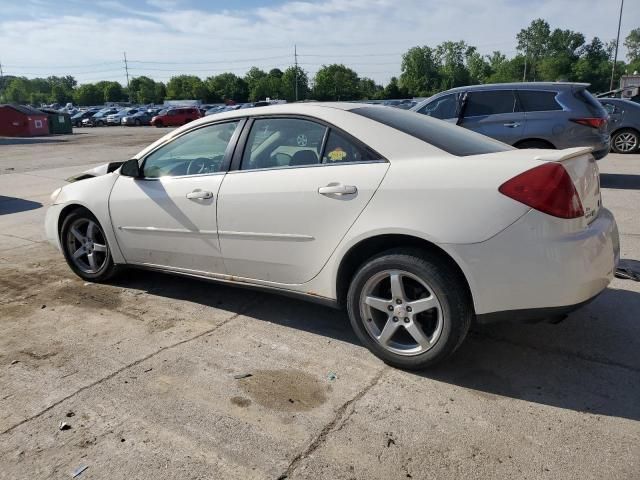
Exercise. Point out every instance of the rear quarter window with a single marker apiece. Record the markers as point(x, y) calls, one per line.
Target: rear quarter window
point(443, 135)
point(538, 101)
point(594, 107)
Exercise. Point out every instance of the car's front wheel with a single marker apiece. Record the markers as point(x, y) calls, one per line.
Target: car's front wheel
point(410, 310)
point(85, 246)
point(625, 141)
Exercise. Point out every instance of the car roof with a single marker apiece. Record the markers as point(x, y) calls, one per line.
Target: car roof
point(518, 86)
point(620, 100)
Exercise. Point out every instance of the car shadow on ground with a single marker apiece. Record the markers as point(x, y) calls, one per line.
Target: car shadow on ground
point(500, 360)
point(30, 140)
point(620, 181)
point(15, 205)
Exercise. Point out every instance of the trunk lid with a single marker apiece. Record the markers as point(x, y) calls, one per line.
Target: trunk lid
point(583, 170)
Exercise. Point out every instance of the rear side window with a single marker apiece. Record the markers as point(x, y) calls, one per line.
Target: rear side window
point(490, 103)
point(538, 101)
point(443, 135)
point(339, 149)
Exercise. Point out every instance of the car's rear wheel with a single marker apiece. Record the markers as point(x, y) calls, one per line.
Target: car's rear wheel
point(85, 246)
point(409, 310)
point(625, 141)
point(158, 124)
point(137, 122)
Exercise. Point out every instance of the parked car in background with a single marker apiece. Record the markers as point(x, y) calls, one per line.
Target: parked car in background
point(100, 118)
point(76, 120)
point(624, 124)
point(116, 118)
point(174, 117)
point(141, 117)
point(215, 109)
point(416, 227)
point(526, 115)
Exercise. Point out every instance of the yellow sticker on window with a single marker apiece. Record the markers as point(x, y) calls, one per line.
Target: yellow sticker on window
point(337, 154)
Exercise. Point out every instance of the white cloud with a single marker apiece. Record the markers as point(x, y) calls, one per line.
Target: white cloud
point(368, 35)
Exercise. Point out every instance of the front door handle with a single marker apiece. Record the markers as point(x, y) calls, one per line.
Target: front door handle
point(199, 195)
point(338, 189)
point(511, 125)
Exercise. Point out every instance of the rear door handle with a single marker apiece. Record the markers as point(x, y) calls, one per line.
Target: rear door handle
point(199, 195)
point(511, 125)
point(338, 189)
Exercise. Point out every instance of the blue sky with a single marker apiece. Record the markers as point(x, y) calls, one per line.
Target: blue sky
point(163, 38)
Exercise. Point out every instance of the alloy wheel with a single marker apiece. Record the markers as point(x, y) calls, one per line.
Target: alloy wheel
point(401, 312)
point(625, 142)
point(87, 246)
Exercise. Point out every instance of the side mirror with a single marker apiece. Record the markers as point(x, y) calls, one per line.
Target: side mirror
point(130, 168)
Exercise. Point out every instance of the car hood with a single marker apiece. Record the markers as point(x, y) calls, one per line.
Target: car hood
point(95, 172)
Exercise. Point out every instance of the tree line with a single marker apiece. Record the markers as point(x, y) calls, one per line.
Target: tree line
point(542, 54)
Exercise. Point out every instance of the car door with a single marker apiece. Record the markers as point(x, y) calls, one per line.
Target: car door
point(545, 118)
point(494, 113)
point(294, 190)
point(167, 217)
point(615, 115)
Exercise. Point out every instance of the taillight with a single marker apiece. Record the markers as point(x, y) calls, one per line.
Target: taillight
point(547, 188)
point(591, 122)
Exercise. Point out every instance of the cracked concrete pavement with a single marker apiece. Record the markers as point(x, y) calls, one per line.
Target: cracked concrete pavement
point(146, 370)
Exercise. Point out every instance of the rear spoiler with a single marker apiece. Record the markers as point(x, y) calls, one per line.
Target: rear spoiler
point(562, 155)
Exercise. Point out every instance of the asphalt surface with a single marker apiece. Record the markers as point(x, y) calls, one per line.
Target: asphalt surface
point(150, 373)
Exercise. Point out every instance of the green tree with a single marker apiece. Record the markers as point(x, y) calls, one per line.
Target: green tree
point(227, 86)
point(504, 69)
point(186, 87)
point(632, 42)
point(288, 84)
point(336, 82)
point(144, 90)
point(533, 43)
point(393, 91)
point(252, 78)
point(451, 64)
point(88, 94)
point(478, 66)
point(370, 90)
point(594, 65)
point(420, 75)
point(18, 91)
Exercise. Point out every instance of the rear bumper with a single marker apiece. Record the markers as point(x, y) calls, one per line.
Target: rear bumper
point(535, 268)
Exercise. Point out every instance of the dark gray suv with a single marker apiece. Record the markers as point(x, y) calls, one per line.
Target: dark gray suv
point(526, 115)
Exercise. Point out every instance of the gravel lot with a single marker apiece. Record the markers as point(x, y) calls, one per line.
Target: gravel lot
point(144, 370)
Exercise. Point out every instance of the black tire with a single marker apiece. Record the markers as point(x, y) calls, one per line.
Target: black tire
point(100, 123)
point(535, 144)
point(107, 269)
point(158, 124)
point(625, 140)
point(450, 290)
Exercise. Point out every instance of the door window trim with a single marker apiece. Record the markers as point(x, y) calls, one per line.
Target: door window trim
point(228, 153)
point(236, 162)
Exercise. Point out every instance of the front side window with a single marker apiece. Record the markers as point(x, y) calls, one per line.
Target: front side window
point(199, 151)
point(441, 108)
point(490, 103)
point(538, 101)
point(283, 142)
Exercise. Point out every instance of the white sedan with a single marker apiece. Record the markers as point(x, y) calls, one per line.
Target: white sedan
point(415, 226)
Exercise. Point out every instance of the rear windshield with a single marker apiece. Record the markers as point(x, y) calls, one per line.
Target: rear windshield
point(595, 108)
point(443, 135)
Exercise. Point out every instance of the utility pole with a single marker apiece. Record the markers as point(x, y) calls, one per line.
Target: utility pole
point(126, 69)
point(615, 56)
point(1, 81)
point(526, 54)
point(295, 56)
